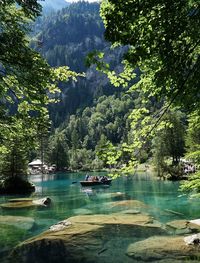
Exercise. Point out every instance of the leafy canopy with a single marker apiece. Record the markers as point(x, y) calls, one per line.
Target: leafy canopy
point(27, 85)
point(163, 39)
point(24, 75)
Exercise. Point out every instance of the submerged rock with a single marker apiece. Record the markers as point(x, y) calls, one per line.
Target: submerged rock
point(131, 212)
point(25, 223)
point(86, 238)
point(10, 236)
point(115, 196)
point(20, 199)
point(82, 211)
point(26, 203)
point(13, 205)
point(182, 227)
point(157, 248)
point(127, 204)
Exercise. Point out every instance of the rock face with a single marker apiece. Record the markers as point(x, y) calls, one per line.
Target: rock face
point(86, 238)
point(157, 248)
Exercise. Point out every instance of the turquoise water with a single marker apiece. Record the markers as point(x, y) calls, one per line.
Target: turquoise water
point(164, 202)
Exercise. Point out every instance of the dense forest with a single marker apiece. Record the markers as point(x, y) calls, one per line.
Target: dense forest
point(132, 100)
point(66, 38)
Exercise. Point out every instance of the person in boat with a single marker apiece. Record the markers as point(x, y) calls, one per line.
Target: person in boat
point(104, 179)
point(87, 177)
point(95, 179)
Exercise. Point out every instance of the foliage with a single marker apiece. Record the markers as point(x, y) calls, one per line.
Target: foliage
point(193, 152)
point(58, 150)
point(164, 43)
point(89, 133)
point(27, 85)
point(193, 133)
point(168, 142)
point(192, 185)
point(65, 38)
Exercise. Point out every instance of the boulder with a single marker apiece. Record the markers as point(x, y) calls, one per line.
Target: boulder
point(86, 238)
point(157, 248)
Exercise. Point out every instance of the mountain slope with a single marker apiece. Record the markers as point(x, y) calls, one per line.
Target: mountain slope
point(65, 38)
point(50, 6)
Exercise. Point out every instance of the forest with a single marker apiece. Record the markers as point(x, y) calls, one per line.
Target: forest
point(88, 87)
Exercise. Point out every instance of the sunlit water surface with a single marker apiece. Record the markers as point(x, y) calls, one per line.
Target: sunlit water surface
point(165, 202)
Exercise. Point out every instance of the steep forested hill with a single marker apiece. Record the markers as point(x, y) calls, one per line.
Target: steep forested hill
point(50, 6)
point(65, 38)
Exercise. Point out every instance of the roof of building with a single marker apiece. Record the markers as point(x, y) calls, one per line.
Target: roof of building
point(35, 162)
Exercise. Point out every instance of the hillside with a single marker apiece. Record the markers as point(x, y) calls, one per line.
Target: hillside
point(50, 6)
point(65, 38)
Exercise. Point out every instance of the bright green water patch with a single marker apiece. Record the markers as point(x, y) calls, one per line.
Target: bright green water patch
point(160, 199)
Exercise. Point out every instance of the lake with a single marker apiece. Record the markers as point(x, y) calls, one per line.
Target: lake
point(164, 202)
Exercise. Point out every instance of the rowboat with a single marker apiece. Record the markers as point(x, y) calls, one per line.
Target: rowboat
point(93, 183)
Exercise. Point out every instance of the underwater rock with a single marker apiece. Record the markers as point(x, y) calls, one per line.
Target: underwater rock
point(25, 223)
point(20, 200)
point(13, 205)
point(182, 227)
point(9, 236)
point(116, 195)
point(82, 211)
point(158, 248)
point(131, 212)
point(127, 204)
point(83, 238)
point(26, 204)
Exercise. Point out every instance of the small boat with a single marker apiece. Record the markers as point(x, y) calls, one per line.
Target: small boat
point(92, 183)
